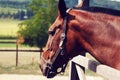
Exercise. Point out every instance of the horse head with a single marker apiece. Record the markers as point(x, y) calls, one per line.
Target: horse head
point(60, 45)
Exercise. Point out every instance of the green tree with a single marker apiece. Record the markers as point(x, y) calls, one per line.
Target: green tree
point(34, 30)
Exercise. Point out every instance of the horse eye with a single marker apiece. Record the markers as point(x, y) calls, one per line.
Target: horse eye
point(51, 32)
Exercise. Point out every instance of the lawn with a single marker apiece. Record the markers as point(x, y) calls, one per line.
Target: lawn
point(7, 9)
point(9, 27)
point(27, 63)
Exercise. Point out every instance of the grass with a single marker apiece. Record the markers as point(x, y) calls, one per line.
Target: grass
point(9, 27)
point(7, 45)
point(24, 69)
point(27, 63)
point(7, 9)
point(11, 45)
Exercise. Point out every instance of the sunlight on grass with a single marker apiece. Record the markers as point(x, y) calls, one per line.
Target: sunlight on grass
point(9, 27)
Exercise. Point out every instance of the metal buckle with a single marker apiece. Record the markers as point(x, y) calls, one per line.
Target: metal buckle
point(62, 40)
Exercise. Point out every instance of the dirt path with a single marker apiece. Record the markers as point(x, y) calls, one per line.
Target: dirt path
point(28, 77)
point(37, 77)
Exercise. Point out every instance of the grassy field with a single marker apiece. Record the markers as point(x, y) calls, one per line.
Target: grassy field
point(9, 27)
point(11, 45)
point(7, 9)
point(27, 63)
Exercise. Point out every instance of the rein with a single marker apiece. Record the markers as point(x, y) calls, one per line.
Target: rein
point(60, 52)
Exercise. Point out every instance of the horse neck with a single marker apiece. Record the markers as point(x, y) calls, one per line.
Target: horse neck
point(98, 34)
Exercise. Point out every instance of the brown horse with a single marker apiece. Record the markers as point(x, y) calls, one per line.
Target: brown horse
point(76, 32)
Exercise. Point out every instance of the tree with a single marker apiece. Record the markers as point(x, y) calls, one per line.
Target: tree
point(34, 30)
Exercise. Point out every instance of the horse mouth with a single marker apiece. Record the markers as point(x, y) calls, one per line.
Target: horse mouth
point(48, 72)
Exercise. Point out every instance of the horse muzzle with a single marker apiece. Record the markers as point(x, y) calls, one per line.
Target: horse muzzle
point(51, 69)
point(47, 71)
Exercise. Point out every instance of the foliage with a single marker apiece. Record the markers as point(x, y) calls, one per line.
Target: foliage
point(35, 29)
point(22, 15)
point(14, 3)
point(15, 9)
point(8, 28)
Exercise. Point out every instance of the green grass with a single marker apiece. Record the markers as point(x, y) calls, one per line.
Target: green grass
point(7, 45)
point(9, 27)
point(24, 69)
point(7, 9)
point(11, 45)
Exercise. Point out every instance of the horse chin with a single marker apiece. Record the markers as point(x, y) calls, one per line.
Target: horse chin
point(49, 73)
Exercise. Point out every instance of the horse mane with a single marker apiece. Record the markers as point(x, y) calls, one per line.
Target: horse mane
point(99, 9)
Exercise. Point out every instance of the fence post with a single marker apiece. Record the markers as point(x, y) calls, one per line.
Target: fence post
point(41, 50)
point(77, 72)
point(80, 72)
point(73, 72)
point(17, 53)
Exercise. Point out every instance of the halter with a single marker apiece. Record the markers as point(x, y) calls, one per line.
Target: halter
point(49, 72)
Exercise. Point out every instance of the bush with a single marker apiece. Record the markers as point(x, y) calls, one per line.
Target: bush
point(34, 30)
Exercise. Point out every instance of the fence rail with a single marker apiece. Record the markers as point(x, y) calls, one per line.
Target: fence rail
point(16, 49)
point(9, 50)
point(77, 71)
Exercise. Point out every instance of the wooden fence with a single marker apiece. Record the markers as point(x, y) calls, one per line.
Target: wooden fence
point(16, 49)
point(79, 63)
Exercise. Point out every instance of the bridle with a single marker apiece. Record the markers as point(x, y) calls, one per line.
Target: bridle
point(51, 69)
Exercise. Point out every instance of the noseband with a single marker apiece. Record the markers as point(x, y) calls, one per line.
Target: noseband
point(51, 69)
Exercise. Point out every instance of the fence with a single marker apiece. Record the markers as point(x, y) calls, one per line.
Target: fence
point(16, 49)
point(79, 63)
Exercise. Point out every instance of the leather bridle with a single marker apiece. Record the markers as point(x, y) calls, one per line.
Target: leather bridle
point(51, 69)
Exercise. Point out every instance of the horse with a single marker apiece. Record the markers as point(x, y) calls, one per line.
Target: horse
point(76, 32)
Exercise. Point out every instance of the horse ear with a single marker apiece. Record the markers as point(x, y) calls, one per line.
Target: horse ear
point(62, 8)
